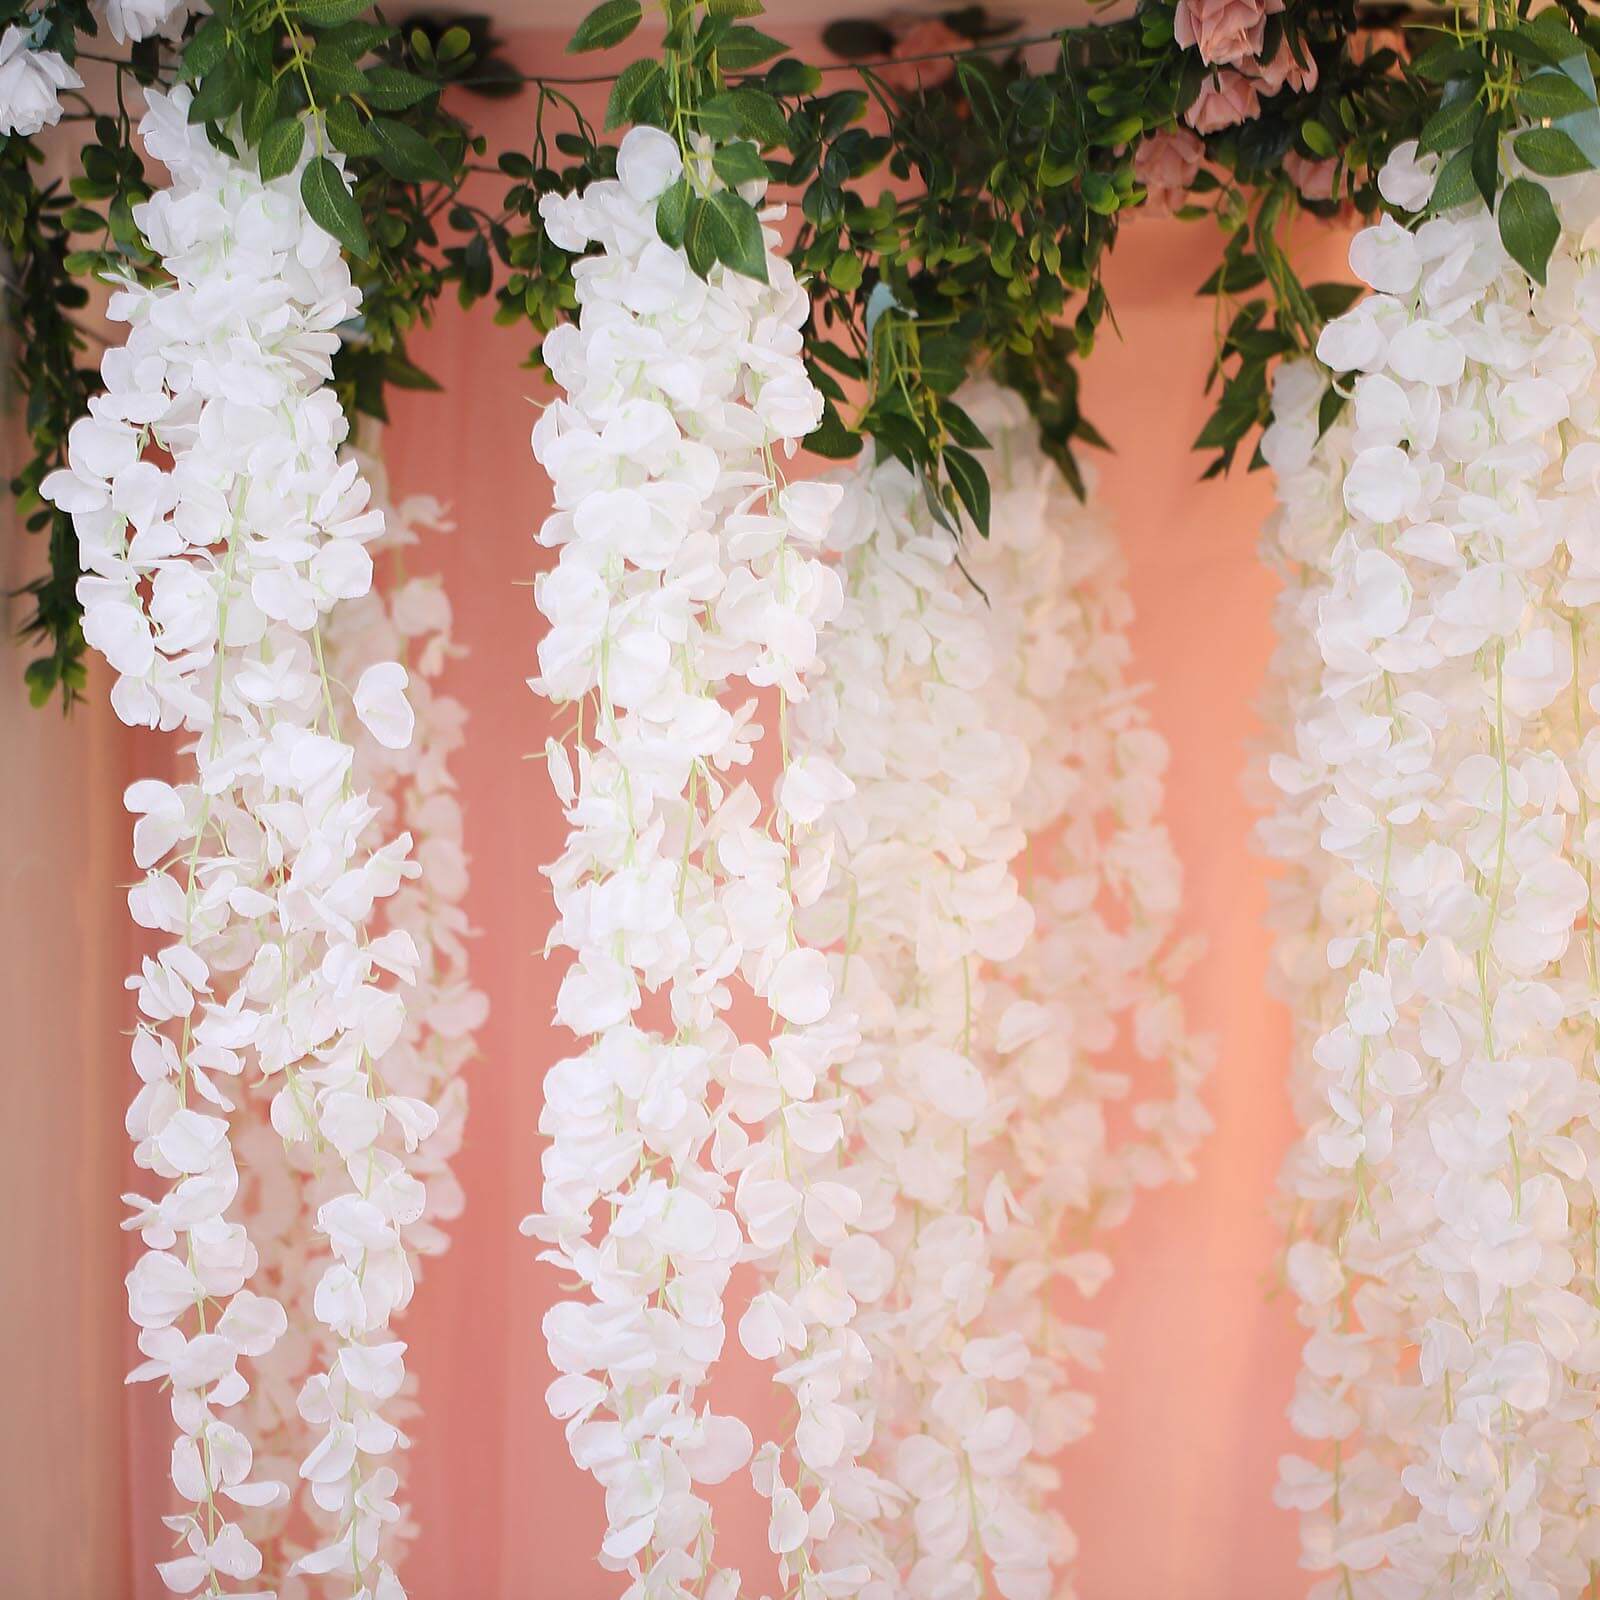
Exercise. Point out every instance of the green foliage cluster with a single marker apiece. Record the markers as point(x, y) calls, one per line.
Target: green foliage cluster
point(945, 219)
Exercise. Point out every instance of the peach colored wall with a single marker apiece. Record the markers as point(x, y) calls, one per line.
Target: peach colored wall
point(1170, 1494)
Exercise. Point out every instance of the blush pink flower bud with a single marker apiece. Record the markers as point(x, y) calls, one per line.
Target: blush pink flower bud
point(1314, 179)
point(1166, 164)
point(1226, 99)
point(1226, 32)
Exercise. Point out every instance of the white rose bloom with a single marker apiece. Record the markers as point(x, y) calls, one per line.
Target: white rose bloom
point(31, 82)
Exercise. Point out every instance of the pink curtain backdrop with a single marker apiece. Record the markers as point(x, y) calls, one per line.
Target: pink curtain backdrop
point(1170, 1494)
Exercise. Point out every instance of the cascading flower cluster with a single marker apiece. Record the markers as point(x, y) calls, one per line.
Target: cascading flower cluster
point(218, 528)
point(685, 568)
point(1442, 762)
point(404, 617)
point(975, 1119)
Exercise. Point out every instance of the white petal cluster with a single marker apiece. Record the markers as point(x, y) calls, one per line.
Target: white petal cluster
point(31, 82)
point(1437, 786)
point(218, 528)
point(404, 618)
point(686, 570)
point(132, 20)
point(979, 1149)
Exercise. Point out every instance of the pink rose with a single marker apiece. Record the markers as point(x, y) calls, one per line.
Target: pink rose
point(1225, 31)
point(923, 39)
point(1283, 70)
point(1226, 99)
point(1314, 179)
point(1166, 164)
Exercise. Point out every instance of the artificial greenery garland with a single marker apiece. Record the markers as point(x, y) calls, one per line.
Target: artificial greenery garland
point(927, 256)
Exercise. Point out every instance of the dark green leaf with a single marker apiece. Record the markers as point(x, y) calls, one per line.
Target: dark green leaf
point(280, 148)
point(606, 25)
point(632, 81)
point(741, 48)
point(348, 132)
point(1550, 153)
point(831, 439)
point(219, 94)
point(208, 46)
point(1529, 226)
point(738, 163)
point(1447, 59)
point(404, 152)
point(1486, 158)
point(742, 248)
point(331, 206)
point(706, 234)
point(672, 213)
point(1452, 126)
point(331, 13)
point(1549, 95)
point(389, 89)
point(1455, 185)
point(971, 484)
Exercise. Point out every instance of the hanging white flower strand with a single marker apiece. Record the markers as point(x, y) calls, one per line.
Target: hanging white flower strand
point(683, 568)
point(205, 588)
point(405, 616)
point(1445, 1257)
point(975, 1074)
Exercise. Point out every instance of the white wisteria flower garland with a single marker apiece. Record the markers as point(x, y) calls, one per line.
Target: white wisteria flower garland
point(952, 727)
point(1444, 1246)
point(406, 616)
point(207, 583)
point(685, 569)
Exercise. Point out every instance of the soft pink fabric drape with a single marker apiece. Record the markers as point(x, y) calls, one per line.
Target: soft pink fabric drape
point(1170, 1494)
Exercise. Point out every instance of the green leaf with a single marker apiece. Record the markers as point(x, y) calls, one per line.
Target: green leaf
point(738, 163)
point(743, 249)
point(747, 112)
point(740, 49)
point(348, 132)
point(1549, 95)
point(331, 13)
point(1452, 125)
point(733, 8)
point(220, 93)
point(1486, 158)
point(606, 25)
point(390, 89)
point(404, 152)
point(632, 81)
point(1529, 226)
point(1550, 153)
point(672, 214)
point(831, 439)
point(1316, 138)
point(1455, 185)
point(705, 232)
point(971, 484)
point(332, 206)
point(280, 148)
point(208, 46)
point(1447, 59)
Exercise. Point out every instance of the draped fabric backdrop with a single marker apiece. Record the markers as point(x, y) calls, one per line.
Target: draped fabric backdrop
point(1171, 1493)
